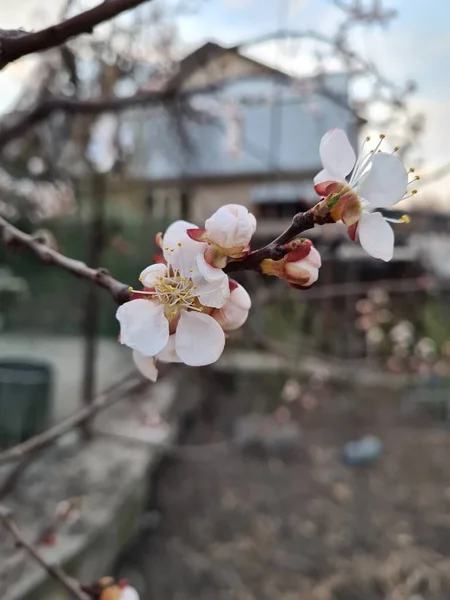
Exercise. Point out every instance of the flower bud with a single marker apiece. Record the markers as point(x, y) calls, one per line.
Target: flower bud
point(109, 590)
point(231, 228)
point(235, 312)
point(299, 267)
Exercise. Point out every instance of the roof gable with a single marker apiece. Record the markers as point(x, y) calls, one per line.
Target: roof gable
point(212, 64)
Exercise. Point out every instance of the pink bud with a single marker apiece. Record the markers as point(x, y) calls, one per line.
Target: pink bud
point(303, 272)
point(300, 267)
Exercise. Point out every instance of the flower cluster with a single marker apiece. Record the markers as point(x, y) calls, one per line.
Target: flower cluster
point(188, 303)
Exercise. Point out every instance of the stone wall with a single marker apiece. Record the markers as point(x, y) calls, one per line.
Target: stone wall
point(111, 474)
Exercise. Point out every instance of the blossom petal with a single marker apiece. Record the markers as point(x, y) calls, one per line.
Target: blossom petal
point(151, 274)
point(208, 272)
point(212, 283)
point(168, 354)
point(145, 365)
point(321, 177)
point(143, 326)
point(235, 312)
point(199, 339)
point(385, 184)
point(214, 295)
point(337, 155)
point(179, 249)
point(376, 236)
point(129, 593)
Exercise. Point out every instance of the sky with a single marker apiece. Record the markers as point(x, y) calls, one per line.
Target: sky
point(415, 45)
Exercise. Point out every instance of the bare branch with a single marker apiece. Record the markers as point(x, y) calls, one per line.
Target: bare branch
point(117, 289)
point(300, 223)
point(112, 395)
point(15, 44)
point(120, 291)
point(54, 571)
point(13, 126)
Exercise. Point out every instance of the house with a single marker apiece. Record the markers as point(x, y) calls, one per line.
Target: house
point(253, 140)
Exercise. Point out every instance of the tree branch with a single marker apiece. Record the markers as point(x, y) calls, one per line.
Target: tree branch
point(54, 571)
point(18, 126)
point(15, 44)
point(117, 289)
point(120, 291)
point(13, 125)
point(301, 222)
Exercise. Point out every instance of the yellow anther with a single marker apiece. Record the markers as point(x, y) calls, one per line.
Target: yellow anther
point(179, 244)
point(396, 148)
point(130, 289)
point(195, 287)
point(167, 248)
point(413, 191)
point(371, 152)
point(191, 270)
point(172, 249)
point(201, 309)
point(405, 219)
point(382, 136)
point(140, 279)
point(416, 178)
point(411, 170)
point(368, 138)
point(173, 314)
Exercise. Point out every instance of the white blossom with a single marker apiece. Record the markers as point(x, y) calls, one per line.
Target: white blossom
point(378, 180)
point(170, 319)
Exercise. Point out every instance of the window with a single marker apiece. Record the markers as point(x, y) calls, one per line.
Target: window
point(276, 209)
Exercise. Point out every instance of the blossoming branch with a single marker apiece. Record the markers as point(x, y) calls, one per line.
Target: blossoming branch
point(188, 303)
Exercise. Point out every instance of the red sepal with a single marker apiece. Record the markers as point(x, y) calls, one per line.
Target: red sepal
point(352, 230)
point(198, 235)
point(298, 253)
point(232, 285)
point(325, 188)
point(159, 259)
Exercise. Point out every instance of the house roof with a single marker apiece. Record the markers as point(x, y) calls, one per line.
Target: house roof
point(204, 54)
point(263, 121)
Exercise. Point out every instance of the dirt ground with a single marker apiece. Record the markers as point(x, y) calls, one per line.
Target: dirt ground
point(256, 527)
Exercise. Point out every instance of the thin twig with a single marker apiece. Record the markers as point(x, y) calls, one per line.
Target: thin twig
point(15, 44)
point(118, 290)
point(112, 395)
point(72, 586)
point(301, 222)
point(15, 124)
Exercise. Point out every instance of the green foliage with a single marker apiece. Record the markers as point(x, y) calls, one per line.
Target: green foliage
point(54, 302)
point(436, 320)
